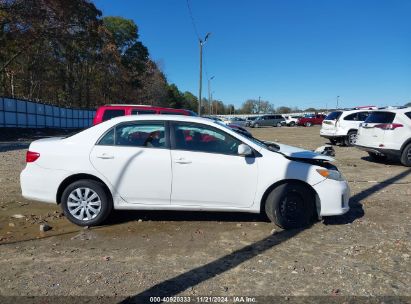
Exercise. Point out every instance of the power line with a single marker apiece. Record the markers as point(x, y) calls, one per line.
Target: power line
point(192, 20)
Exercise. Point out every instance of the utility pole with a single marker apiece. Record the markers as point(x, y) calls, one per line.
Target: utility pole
point(338, 97)
point(259, 104)
point(201, 43)
point(210, 100)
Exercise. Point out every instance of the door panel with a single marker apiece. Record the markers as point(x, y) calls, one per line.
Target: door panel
point(137, 163)
point(207, 170)
point(207, 179)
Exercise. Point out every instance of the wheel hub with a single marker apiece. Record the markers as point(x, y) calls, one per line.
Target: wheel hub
point(84, 203)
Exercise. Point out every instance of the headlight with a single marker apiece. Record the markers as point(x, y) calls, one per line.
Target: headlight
point(331, 174)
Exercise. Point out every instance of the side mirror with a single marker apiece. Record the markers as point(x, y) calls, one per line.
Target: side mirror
point(244, 150)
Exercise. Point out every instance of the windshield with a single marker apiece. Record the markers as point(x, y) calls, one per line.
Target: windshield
point(333, 115)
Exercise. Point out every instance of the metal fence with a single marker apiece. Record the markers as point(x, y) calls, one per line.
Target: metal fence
point(28, 114)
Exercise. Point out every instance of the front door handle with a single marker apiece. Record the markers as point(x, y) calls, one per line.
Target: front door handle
point(183, 161)
point(105, 156)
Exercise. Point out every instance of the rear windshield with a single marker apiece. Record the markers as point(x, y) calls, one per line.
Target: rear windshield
point(380, 117)
point(109, 114)
point(333, 115)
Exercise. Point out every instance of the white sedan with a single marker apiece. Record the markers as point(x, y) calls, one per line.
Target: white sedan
point(160, 162)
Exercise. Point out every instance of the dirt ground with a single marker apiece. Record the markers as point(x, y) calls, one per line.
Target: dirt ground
point(137, 254)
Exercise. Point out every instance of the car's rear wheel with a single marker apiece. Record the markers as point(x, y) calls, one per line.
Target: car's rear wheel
point(308, 124)
point(86, 203)
point(279, 124)
point(377, 157)
point(291, 205)
point(406, 156)
point(351, 138)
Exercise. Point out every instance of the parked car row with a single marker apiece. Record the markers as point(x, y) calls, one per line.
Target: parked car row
point(382, 132)
point(277, 120)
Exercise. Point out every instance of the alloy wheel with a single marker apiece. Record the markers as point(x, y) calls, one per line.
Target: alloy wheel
point(352, 138)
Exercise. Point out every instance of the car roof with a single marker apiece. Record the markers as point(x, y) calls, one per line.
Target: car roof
point(354, 111)
point(160, 117)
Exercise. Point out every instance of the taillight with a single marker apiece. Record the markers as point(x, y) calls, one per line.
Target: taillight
point(391, 126)
point(32, 156)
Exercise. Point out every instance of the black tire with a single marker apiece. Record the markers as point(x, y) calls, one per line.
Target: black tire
point(279, 125)
point(292, 124)
point(291, 205)
point(333, 141)
point(105, 207)
point(377, 157)
point(308, 124)
point(350, 139)
point(256, 125)
point(406, 156)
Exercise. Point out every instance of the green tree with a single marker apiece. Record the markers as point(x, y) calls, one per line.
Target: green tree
point(124, 32)
point(190, 101)
point(174, 97)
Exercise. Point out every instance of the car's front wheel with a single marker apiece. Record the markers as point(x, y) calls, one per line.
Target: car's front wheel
point(292, 124)
point(256, 125)
point(86, 203)
point(406, 156)
point(291, 205)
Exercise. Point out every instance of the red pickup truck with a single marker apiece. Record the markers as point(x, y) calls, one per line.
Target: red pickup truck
point(311, 119)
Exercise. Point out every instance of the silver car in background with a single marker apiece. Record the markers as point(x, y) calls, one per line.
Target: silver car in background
point(272, 120)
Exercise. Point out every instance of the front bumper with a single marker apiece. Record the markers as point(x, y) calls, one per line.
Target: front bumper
point(380, 151)
point(333, 197)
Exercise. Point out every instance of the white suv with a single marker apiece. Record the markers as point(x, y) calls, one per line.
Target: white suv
point(385, 133)
point(342, 126)
point(291, 121)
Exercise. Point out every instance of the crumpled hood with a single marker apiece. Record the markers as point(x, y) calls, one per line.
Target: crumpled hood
point(295, 152)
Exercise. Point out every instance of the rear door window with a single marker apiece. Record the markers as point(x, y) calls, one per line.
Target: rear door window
point(136, 134)
point(333, 115)
point(109, 114)
point(351, 117)
point(408, 114)
point(380, 117)
point(141, 134)
point(363, 116)
point(142, 112)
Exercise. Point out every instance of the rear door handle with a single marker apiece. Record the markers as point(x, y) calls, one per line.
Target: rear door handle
point(105, 156)
point(183, 161)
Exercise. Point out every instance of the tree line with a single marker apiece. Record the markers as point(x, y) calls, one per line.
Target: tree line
point(66, 53)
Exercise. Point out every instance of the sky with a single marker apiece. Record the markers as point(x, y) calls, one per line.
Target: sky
point(299, 53)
